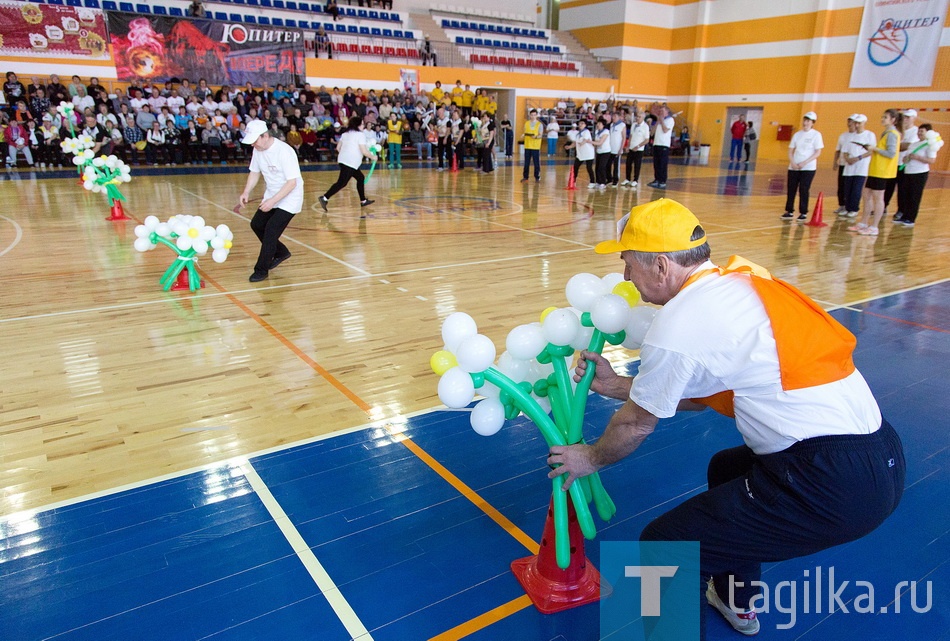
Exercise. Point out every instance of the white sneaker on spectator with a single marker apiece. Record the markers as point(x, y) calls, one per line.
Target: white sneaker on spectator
point(625, 183)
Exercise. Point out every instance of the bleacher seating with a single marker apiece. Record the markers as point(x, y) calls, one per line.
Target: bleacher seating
point(486, 27)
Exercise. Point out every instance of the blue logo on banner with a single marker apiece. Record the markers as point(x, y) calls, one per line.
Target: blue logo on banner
point(655, 591)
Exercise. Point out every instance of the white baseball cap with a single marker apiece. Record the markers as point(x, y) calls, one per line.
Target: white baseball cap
point(811, 115)
point(910, 112)
point(859, 118)
point(253, 131)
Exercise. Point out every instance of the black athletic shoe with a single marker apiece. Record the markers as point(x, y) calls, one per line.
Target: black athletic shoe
point(277, 261)
point(257, 277)
point(366, 203)
point(802, 218)
point(788, 215)
point(323, 202)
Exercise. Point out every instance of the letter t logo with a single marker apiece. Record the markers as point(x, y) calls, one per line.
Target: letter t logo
point(650, 576)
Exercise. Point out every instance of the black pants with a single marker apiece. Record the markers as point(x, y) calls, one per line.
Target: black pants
point(268, 226)
point(603, 168)
point(853, 187)
point(444, 151)
point(509, 142)
point(613, 173)
point(487, 157)
point(661, 162)
point(910, 194)
point(347, 172)
point(748, 150)
point(799, 181)
point(532, 156)
point(890, 186)
point(634, 160)
point(818, 493)
point(460, 155)
point(590, 169)
point(842, 200)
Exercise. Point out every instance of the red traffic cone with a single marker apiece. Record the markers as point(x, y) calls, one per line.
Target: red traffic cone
point(116, 212)
point(181, 283)
point(552, 589)
point(571, 186)
point(816, 215)
point(455, 161)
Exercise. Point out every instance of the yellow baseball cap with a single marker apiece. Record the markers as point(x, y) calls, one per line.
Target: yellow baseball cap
point(662, 225)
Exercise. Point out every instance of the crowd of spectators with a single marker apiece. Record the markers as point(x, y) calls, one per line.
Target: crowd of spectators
point(184, 123)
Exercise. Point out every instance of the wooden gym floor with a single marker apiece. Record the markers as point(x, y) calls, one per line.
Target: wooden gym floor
point(110, 383)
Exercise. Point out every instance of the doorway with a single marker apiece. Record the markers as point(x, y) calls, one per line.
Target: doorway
point(751, 114)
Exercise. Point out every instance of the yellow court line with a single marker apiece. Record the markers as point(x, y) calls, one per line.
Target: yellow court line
point(484, 620)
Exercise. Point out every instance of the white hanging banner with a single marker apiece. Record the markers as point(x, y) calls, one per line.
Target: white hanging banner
point(898, 43)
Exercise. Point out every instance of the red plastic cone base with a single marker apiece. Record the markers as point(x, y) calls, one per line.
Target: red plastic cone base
point(552, 589)
point(181, 283)
point(571, 186)
point(117, 213)
point(817, 214)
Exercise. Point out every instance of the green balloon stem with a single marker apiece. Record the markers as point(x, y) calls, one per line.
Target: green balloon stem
point(562, 534)
point(372, 168)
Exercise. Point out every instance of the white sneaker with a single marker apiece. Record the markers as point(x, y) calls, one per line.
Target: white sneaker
point(601, 187)
point(613, 186)
point(592, 185)
point(852, 214)
point(42, 165)
point(625, 183)
point(841, 210)
point(634, 184)
point(744, 621)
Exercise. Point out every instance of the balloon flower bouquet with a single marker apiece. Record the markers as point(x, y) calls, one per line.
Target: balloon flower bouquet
point(188, 237)
point(98, 174)
point(534, 377)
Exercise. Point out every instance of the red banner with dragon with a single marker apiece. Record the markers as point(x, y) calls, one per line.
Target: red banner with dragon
point(155, 49)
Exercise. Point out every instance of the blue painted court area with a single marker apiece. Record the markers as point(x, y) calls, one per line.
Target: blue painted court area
point(201, 556)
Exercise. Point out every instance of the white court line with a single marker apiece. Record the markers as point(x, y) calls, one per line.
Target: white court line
point(497, 224)
point(324, 281)
point(290, 238)
point(16, 240)
point(318, 573)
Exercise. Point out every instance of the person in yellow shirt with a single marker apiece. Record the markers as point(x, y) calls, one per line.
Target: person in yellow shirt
point(492, 106)
point(468, 99)
point(457, 92)
point(394, 126)
point(481, 101)
point(533, 132)
point(437, 93)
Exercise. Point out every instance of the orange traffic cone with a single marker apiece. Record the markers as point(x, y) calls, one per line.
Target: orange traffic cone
point(571, 186)
point(552, 589)
point(116, 212)
point(816, 215)
point(182, 282)
point(455, 160)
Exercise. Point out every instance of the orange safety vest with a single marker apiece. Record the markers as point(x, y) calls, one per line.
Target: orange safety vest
point(813, 348)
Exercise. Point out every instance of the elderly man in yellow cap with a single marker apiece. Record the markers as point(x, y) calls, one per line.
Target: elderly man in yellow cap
point(820, 466)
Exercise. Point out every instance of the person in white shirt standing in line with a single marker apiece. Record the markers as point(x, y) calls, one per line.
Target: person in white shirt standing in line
point(909, 140)
point(639, 137)
point(844, 142)
point(352, 149)
point(856, 165)
point(553, 129)
point(803, 153)
point(601, 137)
point(283, 195)
point(662, 138)
point(618, 135)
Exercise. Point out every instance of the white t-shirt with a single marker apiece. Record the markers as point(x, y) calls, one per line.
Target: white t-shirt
point(585, 145)
point(664, 138)
point(553, 128)
point(618, 132)
point(908, 135)
point(639, 134)
point(174, 102)
point(278, 164)
point(843, 147)
point(861, 167)
point(350, 154)
point(915, 166)
point(604, 135)
point(733, 348)
point(806, 143)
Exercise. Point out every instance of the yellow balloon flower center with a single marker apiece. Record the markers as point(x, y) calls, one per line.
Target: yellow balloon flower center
point(193, 233)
